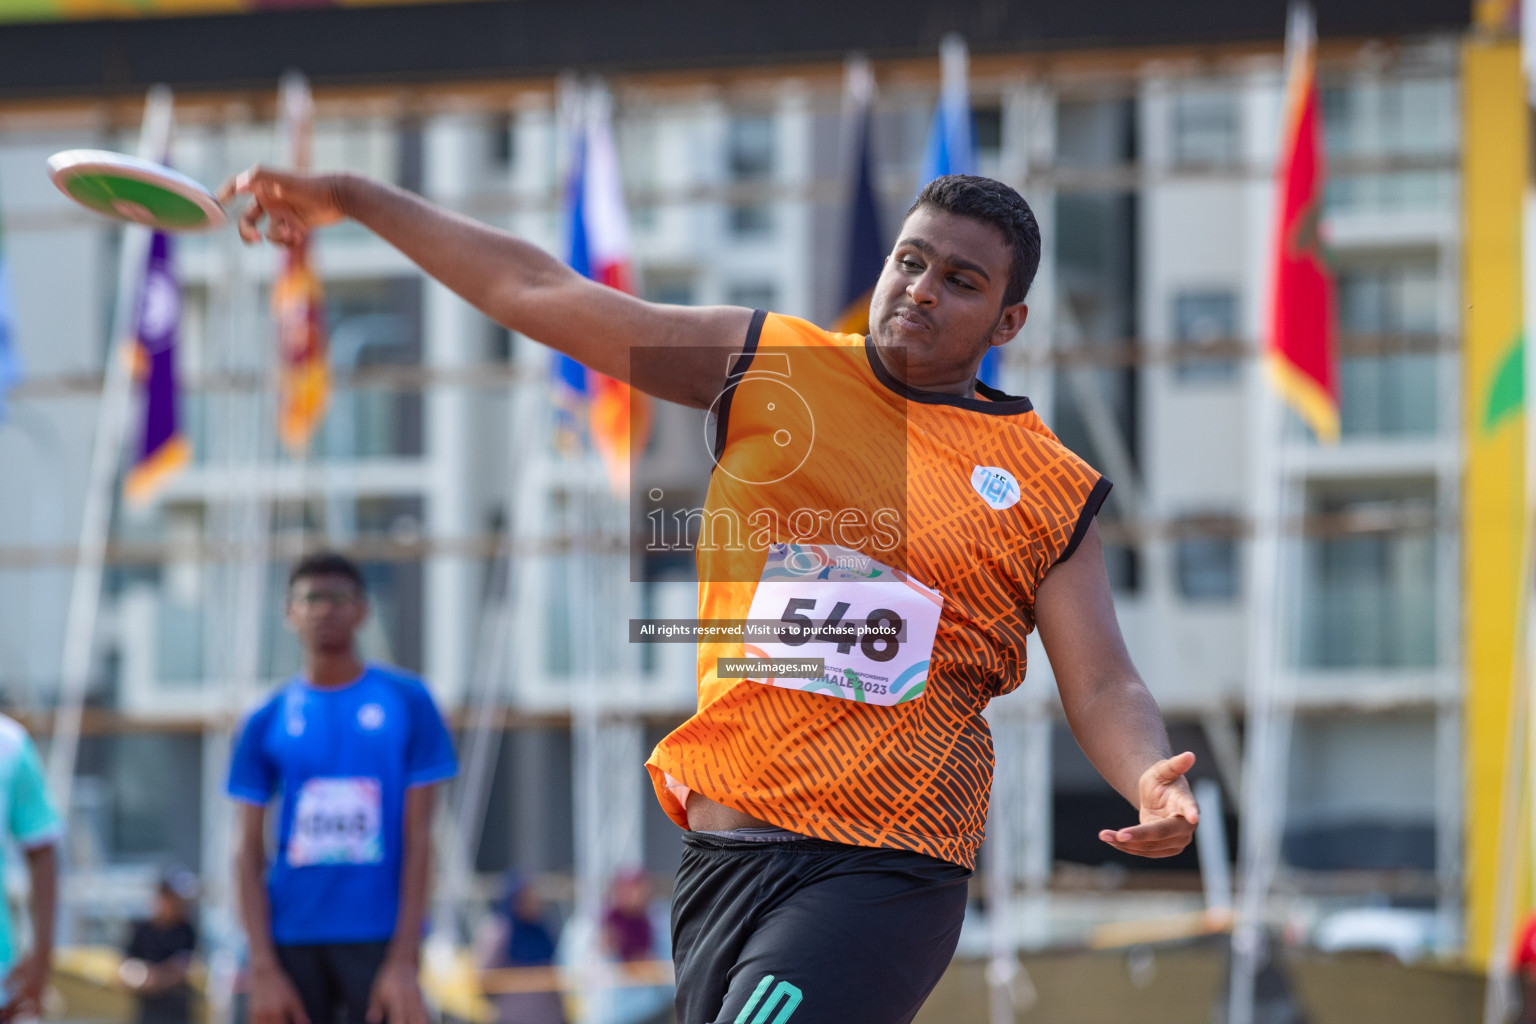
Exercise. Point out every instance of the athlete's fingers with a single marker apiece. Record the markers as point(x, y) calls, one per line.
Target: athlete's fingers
point(1145, 842)
point(1165, 848)
point(1160, 853)
point(1146, 848)
point(1170, 770)
point(1181, 804)
point(1151, 831)
point(249, 223)
point(280, 230)
point(375, 1008)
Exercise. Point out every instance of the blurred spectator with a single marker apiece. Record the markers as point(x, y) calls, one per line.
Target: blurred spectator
point(521, 935)
point(629, 937)
point(627, 932)
point(160, 950)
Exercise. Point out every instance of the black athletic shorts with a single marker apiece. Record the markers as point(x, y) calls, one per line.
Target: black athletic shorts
point(335, 979)
point(810, 932)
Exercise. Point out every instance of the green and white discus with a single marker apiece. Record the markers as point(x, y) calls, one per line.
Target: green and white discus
point(139, 191)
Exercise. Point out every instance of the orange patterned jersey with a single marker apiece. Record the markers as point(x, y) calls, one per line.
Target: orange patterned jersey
point(871, 555)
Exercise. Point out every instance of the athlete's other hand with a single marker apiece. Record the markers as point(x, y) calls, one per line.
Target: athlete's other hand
point(396, 996)
point(1168, 811)
point(274, 1000)
point(292, 204)
point(25, 984)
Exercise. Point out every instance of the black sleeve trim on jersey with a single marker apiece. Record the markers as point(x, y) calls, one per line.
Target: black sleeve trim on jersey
point(738, 370)
point(1085, 519)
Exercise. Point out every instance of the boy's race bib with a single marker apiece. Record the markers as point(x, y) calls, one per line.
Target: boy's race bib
point(873, 625)
point(337, 821)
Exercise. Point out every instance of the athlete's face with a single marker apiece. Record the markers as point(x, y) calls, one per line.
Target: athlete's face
point(325, 613)
point(938, 306)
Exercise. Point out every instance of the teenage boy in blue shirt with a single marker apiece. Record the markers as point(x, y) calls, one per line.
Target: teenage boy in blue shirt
point(355, 753)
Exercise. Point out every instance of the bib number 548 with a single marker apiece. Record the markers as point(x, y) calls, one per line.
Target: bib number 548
point(878, 639)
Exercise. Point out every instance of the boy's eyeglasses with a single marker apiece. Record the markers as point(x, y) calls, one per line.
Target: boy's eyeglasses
point(324, 598)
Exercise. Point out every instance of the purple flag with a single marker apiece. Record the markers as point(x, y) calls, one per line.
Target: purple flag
point(163, 451)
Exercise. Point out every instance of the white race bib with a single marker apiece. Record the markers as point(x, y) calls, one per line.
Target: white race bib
point(876, 624)
point(337, 821)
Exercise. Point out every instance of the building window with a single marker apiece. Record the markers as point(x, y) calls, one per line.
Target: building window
point(1095, 132)
point(751, 220)
point(1388, 315)
point(1205, 559)
point(987, 131)
point(750, 161)
point(749, 152)
point(754, 295)
point(1369, 582)
point(373, 323)
point(1373, 119)
point(500, 343)
point(669, 289)
point(1205, 128)
point(501, 149)
point(1205, 326)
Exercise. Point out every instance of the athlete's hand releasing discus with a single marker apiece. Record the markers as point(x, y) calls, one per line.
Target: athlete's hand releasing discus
point(292, 205)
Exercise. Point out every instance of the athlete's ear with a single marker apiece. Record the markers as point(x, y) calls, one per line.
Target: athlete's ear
point(1010, 323)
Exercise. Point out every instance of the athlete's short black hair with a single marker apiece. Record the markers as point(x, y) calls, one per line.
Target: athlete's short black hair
point(326, 563)
point(991, 202)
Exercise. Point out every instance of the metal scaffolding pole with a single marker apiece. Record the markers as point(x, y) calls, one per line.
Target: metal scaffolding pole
point(106, 451)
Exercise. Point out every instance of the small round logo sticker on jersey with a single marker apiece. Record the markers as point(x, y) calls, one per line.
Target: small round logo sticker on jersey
point(370, 716)
point(997, 487)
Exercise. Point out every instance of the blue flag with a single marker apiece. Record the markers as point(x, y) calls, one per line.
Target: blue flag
point(10, 362)
point(951, 146)
point(866, 242)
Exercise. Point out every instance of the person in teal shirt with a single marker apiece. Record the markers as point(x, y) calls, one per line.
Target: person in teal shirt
point(30, 820)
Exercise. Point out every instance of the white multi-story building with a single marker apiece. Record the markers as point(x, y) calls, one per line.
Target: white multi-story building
point(1151, 175)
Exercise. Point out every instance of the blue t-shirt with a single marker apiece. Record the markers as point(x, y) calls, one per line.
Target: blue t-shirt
point(342, 759)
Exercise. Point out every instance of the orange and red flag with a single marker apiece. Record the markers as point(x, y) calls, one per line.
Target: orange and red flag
point(1301, 345)
point(298, 302)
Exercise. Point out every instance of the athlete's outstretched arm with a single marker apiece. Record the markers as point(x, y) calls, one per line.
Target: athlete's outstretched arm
point(1114, 718)
point(682, 351)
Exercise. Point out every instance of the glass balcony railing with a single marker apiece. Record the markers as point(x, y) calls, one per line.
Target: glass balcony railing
point(361, 423)
point(1368, 601)
point(1388, 396)
point(1367, 625)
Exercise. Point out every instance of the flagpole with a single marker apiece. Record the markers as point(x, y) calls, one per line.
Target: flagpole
point(1270, 705)
point(304, 384)
point(493, 664)
point(106, 450)
point(1268, 713)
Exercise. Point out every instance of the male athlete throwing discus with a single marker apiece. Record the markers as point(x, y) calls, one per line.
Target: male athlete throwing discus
point(833, 821)
point(355, 753)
